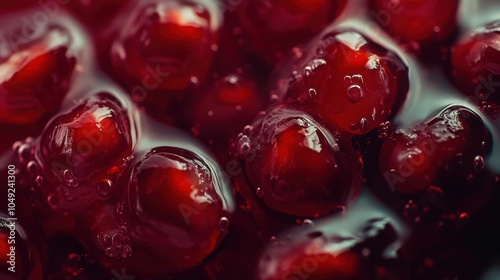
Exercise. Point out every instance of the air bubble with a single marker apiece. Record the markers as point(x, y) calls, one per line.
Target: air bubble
point(479, 163)
point(117, 240)
point(354, 93)
point(224, 224)
point(53, 201)
point(307, 222)
point(363, 125)
point(247, 130)
point(39, 180)
point(119, 209)
point(244, 146)
point(317, 63)
point(384, 130)
point(16, 146)
point(104, 187)
point(274, 98)
point(110, 252)
point(24, 152)
point(32, 167)
point(68, 177)
point(127, 251)
point(259, 192)
point(312, 92)
point(307, 71)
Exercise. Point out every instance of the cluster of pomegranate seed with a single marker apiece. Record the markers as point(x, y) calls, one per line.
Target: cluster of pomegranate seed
point(249, 139)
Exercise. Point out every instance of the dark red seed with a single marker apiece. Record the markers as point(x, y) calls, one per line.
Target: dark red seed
point(297, 167)
point(35, 75)
point(180, 207)
point(454, 142)
point(353, 246)
point(19, 256)
point(475, 64)
point(274, 27)
point(165, 48)
point(83, 149)
point(232, 97)
point(345, 79)
point(416, 21)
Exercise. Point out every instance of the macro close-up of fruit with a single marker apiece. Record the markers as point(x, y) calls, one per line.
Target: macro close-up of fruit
point(250, 140)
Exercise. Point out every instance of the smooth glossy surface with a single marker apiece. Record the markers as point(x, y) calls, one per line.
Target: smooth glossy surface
point(475, 64)
point(80, 148)
point(35, 74)
point(176, 199)
point(345, 80)
point(299, 168)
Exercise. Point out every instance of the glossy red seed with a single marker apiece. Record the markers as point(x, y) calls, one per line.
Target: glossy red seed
point(274, 27)
point(84, 149)
point(180, 207)
point(116, 251)
point(35, 75)
point(475, 64)
point(299, 168)
point(419, 21)
point(19, 256)
point(345, 79)
point(165, 48)
point(353, 246)
point(448, 147)
point(232, 97)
